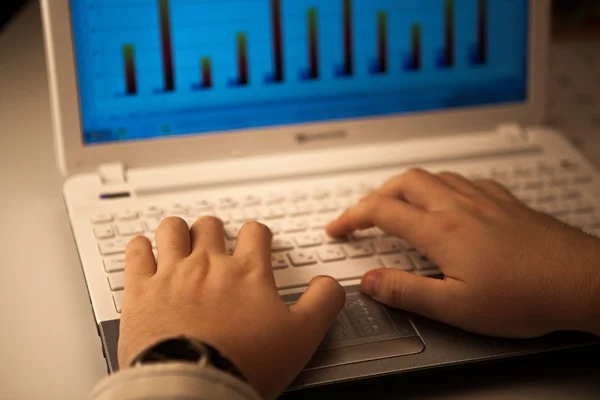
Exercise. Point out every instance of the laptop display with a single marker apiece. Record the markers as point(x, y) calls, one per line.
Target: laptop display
point(161, 68)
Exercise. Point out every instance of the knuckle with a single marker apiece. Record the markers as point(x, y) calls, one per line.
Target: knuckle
point(394, 289)
point(447, 222)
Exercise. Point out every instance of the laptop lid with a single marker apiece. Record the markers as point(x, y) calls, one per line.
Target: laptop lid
point(155, 82)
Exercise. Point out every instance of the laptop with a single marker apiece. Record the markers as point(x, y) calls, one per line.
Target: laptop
point(288, 112)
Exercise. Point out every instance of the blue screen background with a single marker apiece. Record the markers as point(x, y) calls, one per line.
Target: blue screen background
point(208, 28)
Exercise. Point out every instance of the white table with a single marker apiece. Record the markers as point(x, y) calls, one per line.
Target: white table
point(48, 340)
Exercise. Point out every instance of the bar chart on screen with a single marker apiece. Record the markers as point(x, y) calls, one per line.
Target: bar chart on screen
point(183, 54)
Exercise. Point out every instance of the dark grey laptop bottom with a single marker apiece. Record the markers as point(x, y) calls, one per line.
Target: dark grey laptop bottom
point(369, 340)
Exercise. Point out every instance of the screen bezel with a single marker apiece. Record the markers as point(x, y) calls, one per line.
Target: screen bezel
point(76, 157)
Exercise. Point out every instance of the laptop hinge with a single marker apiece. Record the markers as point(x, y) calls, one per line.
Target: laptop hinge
point(112, 174)
point(513, 132)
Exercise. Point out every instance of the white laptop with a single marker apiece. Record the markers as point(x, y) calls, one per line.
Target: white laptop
point(287, 112)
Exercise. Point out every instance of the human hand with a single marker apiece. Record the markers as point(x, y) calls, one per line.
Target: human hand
point(230, 302)
point(509, 271)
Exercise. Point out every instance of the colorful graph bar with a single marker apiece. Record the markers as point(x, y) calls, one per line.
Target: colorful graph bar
point(243, 78)
point(446, 58)
point(313, 45)
point(382, 28)
point(167, 45)
point(277, 30)
point(130, 72)
point(206, 71)
point(347, 68)
point(483, 27)
point(413, 61)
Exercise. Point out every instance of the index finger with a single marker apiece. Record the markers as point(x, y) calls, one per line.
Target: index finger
point(395, 217)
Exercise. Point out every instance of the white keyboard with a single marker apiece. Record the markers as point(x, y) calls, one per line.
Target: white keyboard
point(301, 249)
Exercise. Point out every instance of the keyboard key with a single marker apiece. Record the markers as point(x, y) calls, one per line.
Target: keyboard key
point(115, 264)
point(388, 245)
point(232, 232)
point(302, 258)
point(583, 180)
point(111, 247)
point(344, 191)
point(275, 198)
point(130, 228)
point(327, 206)
point(421, 262)
point(341, 270)
point(127, 215)
point(101, 218)
point(308, 240)
point(293, 226)
point(152, 224)
point(227, 203)
point(321, 194)
point(118, 300)
point(279, 261)
point(366, 233)
point(299, 209)
point(282, 243)
point(358, 250)
point(152, 212)
point(116, 281)
point(177, 210)
point(203, 205)
point(571, 194)
point(398, 261)
point(104, 232)
point(406, 244)
point(273, 212)
point(244, 215)
point(298, 196)
point(331, 240)
point(319, 221)
point(330, 254)
point(252, 201)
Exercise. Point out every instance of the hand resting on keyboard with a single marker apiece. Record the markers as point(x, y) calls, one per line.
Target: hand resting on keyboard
point(509, 271)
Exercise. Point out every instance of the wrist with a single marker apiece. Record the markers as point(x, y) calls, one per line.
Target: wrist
point(190, 351)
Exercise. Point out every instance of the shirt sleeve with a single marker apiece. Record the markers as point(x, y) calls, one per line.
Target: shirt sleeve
point(172, 381)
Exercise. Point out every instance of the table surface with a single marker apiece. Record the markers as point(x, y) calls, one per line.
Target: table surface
point(49, 342)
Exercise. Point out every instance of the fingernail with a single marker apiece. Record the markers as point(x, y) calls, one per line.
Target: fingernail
point(370, 284)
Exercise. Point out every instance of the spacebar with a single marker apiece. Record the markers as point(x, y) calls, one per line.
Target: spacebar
point(343, 270)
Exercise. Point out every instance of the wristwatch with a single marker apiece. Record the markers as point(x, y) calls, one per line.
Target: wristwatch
point(186, 350)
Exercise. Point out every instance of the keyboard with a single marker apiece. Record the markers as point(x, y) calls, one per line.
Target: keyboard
point(301, 248)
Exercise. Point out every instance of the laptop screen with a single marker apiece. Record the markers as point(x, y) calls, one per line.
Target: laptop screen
point(163, 68)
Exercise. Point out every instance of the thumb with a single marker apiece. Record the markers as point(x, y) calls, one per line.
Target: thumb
point(320, 305)
point(418, 294)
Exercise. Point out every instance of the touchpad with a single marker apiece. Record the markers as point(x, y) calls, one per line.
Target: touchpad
point(364, 331)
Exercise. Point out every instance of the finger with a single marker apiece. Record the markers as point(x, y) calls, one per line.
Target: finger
point(394, 217)
point(172, 242)
point(410, 292)
point(208, 236)
point(460, 184)
point(420, 188)
point(495, 190)
point(139, 260)
point(319, 306)
point(254, 246)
